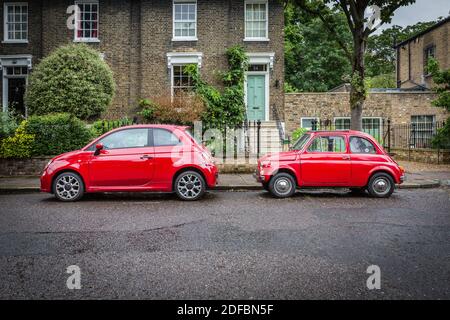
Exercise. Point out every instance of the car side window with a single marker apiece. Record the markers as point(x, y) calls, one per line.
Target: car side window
point(361, 145)
point(129, 138)
point(164, 138)
point(328, 144)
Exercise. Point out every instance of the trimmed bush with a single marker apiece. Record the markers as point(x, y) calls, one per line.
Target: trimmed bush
point(103, 126)
point(72, 79)
point(17, 146)
point(56, 133)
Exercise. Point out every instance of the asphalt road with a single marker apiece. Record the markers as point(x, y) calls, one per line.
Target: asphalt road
point(230, 245)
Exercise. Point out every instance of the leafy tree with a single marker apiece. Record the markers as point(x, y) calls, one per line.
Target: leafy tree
point(442, 80)
point(380, 55)
point(354, 11)
point(72, 79)
point(313, 60)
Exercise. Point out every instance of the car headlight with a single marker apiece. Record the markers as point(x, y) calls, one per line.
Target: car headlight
point(265, 164)
point(48, 163)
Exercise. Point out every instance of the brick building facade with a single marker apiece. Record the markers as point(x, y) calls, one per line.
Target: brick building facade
point(146, 43)
point(413, 54)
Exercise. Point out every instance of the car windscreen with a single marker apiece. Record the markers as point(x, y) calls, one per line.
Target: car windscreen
point(301, 142)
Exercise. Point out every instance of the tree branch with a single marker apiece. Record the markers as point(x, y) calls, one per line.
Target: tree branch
point(344, 7)
point(327, 25)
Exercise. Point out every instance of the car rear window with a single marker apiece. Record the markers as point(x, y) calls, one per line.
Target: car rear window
point(362, 145)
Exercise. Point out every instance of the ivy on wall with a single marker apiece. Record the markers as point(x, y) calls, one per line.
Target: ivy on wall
point(224, 108)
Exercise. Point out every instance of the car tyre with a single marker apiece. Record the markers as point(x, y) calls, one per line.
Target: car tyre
point(190, 186)
point(282, 185)
point(68, 187)
point(381, 185)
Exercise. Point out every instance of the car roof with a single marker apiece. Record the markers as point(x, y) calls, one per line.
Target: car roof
point(345, 132)
point(161, 126)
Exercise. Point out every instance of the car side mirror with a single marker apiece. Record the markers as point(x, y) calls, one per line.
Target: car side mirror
point(98, 147)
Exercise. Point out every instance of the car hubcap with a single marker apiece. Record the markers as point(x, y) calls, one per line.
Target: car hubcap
point(67, 187)
point(283, 186)
point(189, 186)
point(381, 186)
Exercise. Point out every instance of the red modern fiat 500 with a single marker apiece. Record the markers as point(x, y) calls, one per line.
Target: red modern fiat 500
point(349, 159)
point(136, 158)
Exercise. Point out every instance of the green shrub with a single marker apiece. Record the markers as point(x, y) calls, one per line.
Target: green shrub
point(148, 108)
point(72, 79)
point(17, 146)
point(8, 124)
point(56, 133)
point(298, 133)
point(102, 126)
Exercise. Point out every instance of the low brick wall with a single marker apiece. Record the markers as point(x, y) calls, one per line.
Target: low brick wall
point(433, 156)
point(23, 167)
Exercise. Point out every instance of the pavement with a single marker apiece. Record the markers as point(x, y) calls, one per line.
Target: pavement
point(230, 245)
point(241, 182)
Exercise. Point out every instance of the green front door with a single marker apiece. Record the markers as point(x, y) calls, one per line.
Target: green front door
point(256, 97)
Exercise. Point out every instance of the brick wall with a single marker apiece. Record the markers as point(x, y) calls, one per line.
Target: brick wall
point(136, 35)
point(23, 167)
point(399, 107)
point(411, 56)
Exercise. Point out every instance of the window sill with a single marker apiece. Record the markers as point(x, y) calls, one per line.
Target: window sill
point(256, 39)
point(87, 40)
point(184, 39)
point(15, 41)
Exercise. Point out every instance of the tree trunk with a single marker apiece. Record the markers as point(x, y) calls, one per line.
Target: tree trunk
point(358, 89)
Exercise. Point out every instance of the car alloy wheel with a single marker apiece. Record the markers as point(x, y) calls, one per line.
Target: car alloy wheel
point(190, 186)
point(381, 185)
point(282, 185)
point(68, 186)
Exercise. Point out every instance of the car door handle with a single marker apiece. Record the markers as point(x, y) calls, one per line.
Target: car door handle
point(146, 156)
point(346, 157)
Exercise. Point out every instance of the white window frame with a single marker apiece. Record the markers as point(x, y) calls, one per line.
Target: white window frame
point(5, 19)
point(340, 118)
point(75, 34)
point(266, 38)
point(184, 38)
point(380, 119)
point(309, 118)
point(182, 58)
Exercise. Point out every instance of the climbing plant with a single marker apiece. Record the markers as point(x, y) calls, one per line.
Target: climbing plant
point(224, 108)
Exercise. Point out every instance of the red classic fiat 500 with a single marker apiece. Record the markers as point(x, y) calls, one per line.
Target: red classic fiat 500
point(350, 159)
point(135, 158)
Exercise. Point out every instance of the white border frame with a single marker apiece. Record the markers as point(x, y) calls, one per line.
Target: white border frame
point(308, 118)
point(5, 16)
point(87, 40)
point(266, 89)
point(181, 38)
point(266, 38)
point(182, 58)
point(25, 60)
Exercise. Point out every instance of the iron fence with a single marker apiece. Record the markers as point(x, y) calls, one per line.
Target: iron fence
point(408, 135)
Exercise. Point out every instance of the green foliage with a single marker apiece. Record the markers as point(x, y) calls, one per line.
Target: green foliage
point(103, 126)
point(442, 80)
point(298, 133)
point(17, 146)
point(147, 108)
point(380, 54)
point(8, 124)
point(381, 81)
point(313, 59)
point(72, 79)
point(56, 133)
point(225, 108)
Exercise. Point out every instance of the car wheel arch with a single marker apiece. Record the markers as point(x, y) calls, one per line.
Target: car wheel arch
point(184, 169)
point(285, 170)
point(57, 173)
point(381, 170)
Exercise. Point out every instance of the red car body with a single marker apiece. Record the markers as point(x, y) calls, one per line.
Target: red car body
point(330, 168)
point(146, 168)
